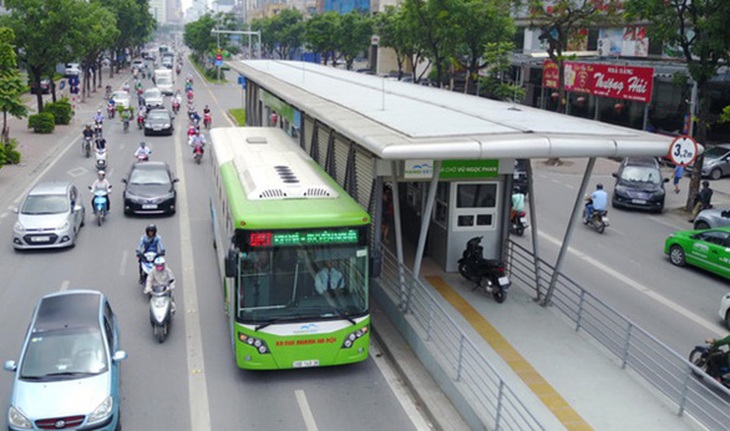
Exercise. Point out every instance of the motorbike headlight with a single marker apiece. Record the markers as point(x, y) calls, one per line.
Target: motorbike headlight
point(19, 227)
point(17, 419)
point(102, 412)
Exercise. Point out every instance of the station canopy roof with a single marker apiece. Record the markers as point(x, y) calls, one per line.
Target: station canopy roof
point(400, 120)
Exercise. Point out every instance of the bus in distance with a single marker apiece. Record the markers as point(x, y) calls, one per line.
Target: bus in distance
point(292, 248)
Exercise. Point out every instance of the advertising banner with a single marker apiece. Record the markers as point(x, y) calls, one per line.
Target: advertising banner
point(550, 74)
point(607, 80)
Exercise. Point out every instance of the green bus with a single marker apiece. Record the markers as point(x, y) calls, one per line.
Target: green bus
point(292, 248)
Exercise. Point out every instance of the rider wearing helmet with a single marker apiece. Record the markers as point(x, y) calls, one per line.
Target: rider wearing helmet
point(99, 117)
point(596, 202)
point(101, 184)
point(161, 275)
point(150, 241)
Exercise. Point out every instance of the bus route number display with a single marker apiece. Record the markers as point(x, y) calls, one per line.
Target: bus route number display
point(296, 238)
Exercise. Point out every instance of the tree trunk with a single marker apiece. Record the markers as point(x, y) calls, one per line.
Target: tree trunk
point(36, 75)
point(53, 91)
point(703, 110)
point(6, 129)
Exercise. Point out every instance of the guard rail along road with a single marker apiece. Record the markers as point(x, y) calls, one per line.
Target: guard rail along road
point(474, 385)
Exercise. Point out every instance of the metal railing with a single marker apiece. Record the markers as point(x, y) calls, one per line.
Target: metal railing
point(488, 395)
point(670, 373)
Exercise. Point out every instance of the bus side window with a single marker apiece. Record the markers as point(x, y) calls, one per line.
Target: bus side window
point(231, 263)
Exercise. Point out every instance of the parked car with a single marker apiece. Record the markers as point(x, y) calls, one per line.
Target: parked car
point(639, 184)
point(716, 163)
point(706, 249)
point(67, 376)
point(725, 309)
point(150, 189)
point(50, 216)
point(138, 63)
point(45, 86)
point(158, 122)
point(153, 98)
point(121, 98)
point(72, 69)
point(712, 218)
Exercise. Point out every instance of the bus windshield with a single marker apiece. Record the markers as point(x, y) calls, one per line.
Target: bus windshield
point(302, 283)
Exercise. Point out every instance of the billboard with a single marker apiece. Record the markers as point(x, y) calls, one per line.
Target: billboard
point(607, 80)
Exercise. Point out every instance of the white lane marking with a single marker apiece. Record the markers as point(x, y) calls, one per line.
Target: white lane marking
point(666, 223)
point(400, 391)
point(306, 411)
point(123, 263)
point(77, 172)
point(197, 386)
point(65, 285)
point(712, 327)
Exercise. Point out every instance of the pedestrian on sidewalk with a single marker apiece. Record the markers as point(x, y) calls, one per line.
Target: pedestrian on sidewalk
point(678, 174)
point(702, 200)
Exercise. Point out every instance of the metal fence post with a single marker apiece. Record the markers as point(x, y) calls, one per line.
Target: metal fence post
point(580, 310)
point(627, 344)
point(498, 416)
point(461, 354)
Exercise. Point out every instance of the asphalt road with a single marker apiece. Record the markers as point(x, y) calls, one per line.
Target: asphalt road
point(190, 382)
point(626, 266)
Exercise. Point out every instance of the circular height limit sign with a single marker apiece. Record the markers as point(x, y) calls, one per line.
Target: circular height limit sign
point(683, 150)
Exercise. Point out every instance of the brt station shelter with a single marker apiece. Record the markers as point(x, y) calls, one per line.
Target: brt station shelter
point(450, 156)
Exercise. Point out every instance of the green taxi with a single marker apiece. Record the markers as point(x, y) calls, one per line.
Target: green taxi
point(708, 249)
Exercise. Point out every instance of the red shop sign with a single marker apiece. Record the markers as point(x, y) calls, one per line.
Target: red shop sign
point(606, 80)
point(550, 74)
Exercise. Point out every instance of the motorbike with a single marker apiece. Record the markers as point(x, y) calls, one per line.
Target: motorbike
point(198, 153)
point(207, 120)
point(125, 123)
point(598, 220)
point(111, 110)
point(141, 157)
point(98, 130)
point(175, 107)
point(100, 201)
point(100, 159)
point(140, 121)
point(86, 146)
point(486, 273)
point(518, 223)
point(700, 355)
point(161, 310)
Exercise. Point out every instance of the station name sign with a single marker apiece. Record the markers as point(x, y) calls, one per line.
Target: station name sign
point(606, 80)
point(451, 169)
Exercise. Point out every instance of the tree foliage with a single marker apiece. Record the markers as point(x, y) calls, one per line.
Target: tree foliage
point(354, 34)
point(12, 86)
point(287, 29)
point(699, 29)
point(320, 33)
point(198, 37)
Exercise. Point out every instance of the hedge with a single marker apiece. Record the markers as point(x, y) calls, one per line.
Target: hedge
point(42, 123)
point(61, 111)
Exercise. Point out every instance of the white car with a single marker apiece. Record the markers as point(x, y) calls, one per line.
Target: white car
point(153, 97)
point(72, 69)
point(725, 309)
point(121, 98)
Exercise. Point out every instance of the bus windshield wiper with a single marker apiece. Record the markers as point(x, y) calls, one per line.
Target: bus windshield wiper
point(272, 321)
point(341, 315)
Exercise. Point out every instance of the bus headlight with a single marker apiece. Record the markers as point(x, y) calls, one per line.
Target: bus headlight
point(257, 343)
point(352, 336)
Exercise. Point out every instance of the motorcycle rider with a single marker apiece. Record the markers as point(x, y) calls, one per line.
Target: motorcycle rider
point(100, 144)
point(150, 241)
point(99, 117)
point(718, 359)
point(143, 151)
point(702, 200)
point(101, 184)
point(596, 202)
point(87, 133)
point(518, 203)
point(161, 275)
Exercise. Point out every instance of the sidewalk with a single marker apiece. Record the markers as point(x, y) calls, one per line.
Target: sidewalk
point(39, 150)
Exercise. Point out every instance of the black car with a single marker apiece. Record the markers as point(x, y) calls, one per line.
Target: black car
point(639, 184)
point(150, 189)
point(158, 121)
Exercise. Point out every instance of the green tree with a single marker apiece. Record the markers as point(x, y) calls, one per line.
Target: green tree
point(354, 33)
point(288, 31)
point(100, 33)
point(497, 56)
point(11, 83)
point(700, 30)
point(434, 23)
point(48, 41)
point(320, 34)
point(268, 38)
point(396, 32)
point(135, 23)
point(480, 23)
point(197, 36)
point(559, 22)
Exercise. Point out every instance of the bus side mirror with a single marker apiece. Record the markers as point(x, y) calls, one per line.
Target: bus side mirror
point(231, 263)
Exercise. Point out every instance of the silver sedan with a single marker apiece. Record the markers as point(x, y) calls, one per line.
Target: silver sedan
point(713, 218)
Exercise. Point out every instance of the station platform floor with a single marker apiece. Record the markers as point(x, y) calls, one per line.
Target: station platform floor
point(565, 379)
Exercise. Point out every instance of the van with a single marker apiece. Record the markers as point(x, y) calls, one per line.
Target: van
point(164, 80)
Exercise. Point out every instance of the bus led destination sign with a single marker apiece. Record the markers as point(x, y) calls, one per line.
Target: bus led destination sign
point(316, 237)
